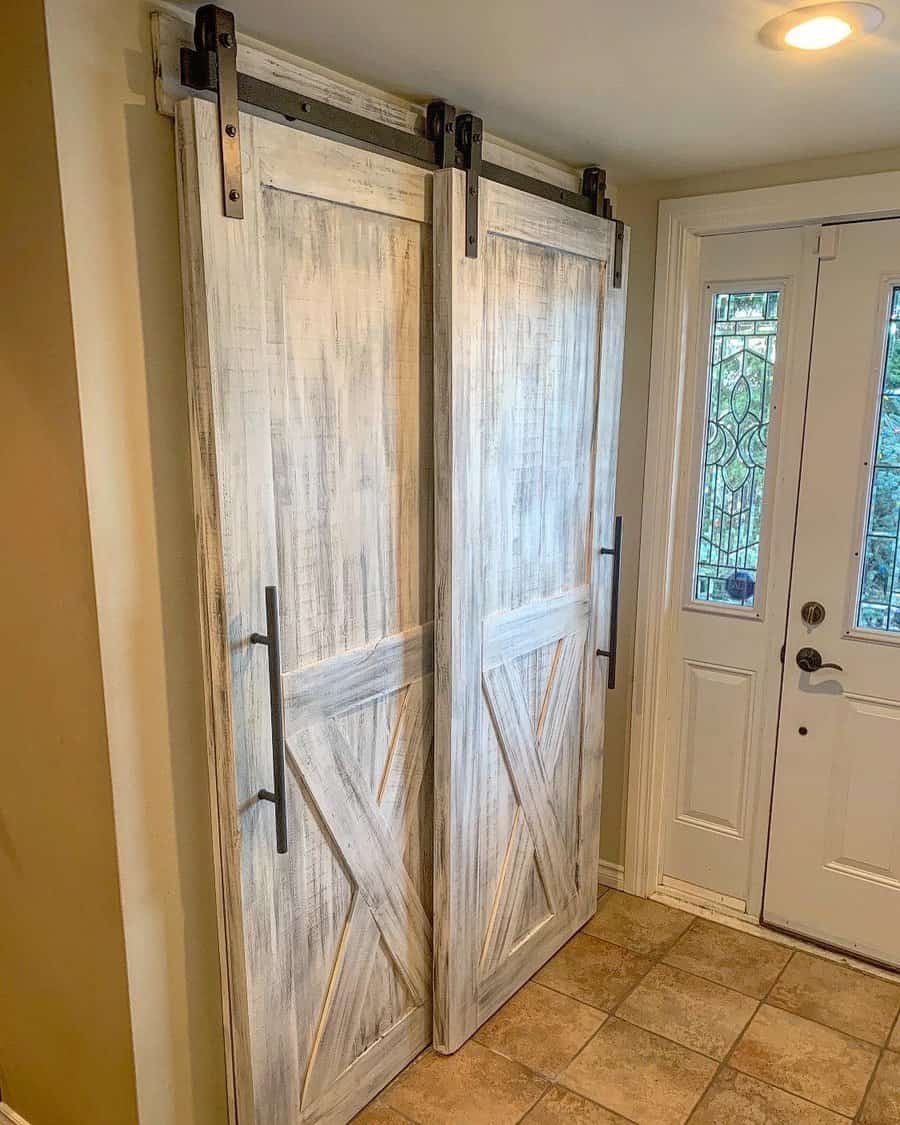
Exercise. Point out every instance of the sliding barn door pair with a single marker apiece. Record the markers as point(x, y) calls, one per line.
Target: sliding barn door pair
point(406, 801)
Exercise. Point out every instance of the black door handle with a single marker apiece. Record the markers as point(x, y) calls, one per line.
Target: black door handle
point(273, 644)
point(810, 660)
point(610, 653)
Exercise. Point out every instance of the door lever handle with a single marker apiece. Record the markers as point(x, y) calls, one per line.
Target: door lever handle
point(810, 660)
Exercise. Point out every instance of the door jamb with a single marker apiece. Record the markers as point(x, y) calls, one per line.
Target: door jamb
point(682, 225)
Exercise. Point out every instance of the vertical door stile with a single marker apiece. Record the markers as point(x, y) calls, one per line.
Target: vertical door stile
point(458, 565)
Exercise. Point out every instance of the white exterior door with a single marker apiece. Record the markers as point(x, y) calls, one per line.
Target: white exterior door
point(309, 333)
point(834, 854)
point(740, 454)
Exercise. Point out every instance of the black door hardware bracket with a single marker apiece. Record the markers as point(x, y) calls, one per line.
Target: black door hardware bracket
point(449, 140)
point(469, 130)
point(215, 60)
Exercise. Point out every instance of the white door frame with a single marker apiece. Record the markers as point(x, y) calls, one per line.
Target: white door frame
point(682, 225)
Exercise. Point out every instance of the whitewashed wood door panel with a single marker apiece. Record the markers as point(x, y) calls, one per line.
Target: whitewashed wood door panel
point(309, 342)
point(528, 348)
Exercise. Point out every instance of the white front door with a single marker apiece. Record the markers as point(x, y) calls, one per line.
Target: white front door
point(834, 851)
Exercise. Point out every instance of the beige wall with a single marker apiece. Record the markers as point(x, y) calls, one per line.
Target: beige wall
point(117, 169)
point(117, 172)
point(638, 205)
point(65, 1038)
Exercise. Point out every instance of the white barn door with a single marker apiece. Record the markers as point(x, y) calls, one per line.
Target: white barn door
point(528, 348)
point(309, 337)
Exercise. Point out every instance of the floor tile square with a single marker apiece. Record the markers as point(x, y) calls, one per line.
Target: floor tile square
point(475, 1085)
point(882, 1104)
point(541, 1029)
point(698, 1014)
point(832, 994)
point(645, 1078)
point(818, 1063)
point(739, 1099)
point(637, 923)
point(594, 971)
point(562, 1107)
point(729, 957)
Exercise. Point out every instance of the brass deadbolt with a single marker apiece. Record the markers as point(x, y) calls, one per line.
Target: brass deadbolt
point(813, 613)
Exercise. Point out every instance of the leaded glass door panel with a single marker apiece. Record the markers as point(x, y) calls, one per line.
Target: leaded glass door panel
point(834, 856)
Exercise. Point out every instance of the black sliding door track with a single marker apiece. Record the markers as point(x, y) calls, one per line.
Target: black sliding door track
point(452, 140)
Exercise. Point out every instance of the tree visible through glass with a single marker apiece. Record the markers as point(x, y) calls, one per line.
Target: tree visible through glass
point(879, 592)
point(738, 406)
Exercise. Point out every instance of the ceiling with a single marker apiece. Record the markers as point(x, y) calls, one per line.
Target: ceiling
point(648, 88)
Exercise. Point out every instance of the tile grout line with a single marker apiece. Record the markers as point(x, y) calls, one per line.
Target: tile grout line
point(658, 958)
point(724, 1064)
point(869, 1085)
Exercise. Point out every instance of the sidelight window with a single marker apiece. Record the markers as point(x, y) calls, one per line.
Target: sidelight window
point(878, 604)
point(739, 388)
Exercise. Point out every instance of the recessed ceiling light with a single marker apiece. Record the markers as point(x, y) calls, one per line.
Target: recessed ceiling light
point(818, 33)
point(820, 26)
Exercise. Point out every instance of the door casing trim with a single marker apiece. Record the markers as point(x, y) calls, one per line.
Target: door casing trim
point(683, 223)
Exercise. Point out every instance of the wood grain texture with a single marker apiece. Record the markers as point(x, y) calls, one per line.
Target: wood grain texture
point(309, 353)
point(170, 32)
point(527, 361)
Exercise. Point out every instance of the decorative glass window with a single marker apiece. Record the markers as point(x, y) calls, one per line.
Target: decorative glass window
point(879, 588)
point(732, 482)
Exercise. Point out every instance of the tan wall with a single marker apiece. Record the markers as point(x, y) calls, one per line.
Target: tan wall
point(117, 168)
point(117, 171)
point(65, 1039)
point(638, 205)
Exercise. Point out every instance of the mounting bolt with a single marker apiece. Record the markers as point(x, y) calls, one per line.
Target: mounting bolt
point(471, 239)
point(226, 39)
point(231, 130)
point(471, 191)
point(234, 195)
point(306, 107)
point(449, 127)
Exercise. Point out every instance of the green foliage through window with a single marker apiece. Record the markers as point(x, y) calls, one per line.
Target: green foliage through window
point(879, 595)
point(732, 485)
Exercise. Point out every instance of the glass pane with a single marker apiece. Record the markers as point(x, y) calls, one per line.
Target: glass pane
point(738, 404)
point(879, 587)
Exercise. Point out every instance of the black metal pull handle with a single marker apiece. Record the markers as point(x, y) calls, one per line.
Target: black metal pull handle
point(610, 653)
point(273, 643)
point(810, 660)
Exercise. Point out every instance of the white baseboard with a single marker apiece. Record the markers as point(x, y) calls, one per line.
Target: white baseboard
point(9, 1116)
point(611, 875)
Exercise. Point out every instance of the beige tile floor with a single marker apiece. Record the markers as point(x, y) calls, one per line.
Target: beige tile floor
point(652, 1016)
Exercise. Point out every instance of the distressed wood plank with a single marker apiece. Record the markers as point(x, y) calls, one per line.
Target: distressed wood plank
point(329, 687)
point(514, 634)
point(511, 888)
point(458, 711)
point(509, 711)
point(323, 763)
